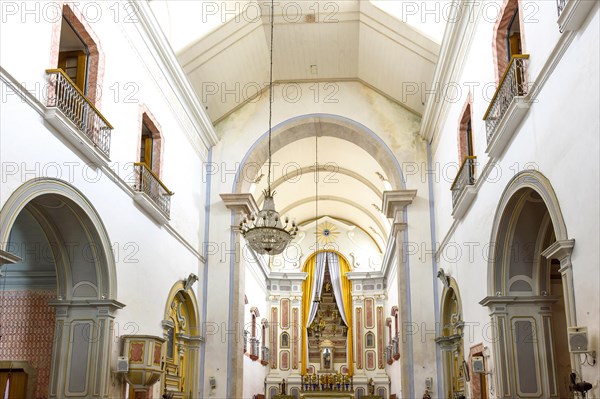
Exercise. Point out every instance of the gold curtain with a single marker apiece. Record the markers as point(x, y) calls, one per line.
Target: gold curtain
point(347, 299)
point(309, 269)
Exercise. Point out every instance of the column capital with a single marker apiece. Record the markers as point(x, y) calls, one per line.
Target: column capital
point(559, 250)
point(397, 228)
point(396, 201)
point(242, 203)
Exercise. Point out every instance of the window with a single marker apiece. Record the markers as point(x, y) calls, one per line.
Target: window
point(73, 55)
point(465, 134)
point(76, 51)
point(508, 36)
point(150, 143)
point(146, 146)
point(513, 36)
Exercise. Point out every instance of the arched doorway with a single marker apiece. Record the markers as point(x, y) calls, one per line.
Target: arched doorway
point(531, 292)
point(58, 290)
point(451, 341)
point(182, 342)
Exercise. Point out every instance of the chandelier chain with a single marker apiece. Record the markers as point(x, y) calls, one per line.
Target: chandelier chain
point(271, 92)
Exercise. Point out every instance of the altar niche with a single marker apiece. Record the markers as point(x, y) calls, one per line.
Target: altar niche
point(329, 326)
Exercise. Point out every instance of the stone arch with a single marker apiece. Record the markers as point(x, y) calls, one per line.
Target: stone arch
point(529, 243)
point(327, 125)
point(450, 340)
point(537, 182)
point(40, 195)
point(86, 288)
point(181, 329)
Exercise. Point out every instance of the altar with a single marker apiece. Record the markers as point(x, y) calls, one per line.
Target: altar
point(327, 395)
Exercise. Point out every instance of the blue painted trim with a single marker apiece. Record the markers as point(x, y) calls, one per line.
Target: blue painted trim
point(339, 118)
point(208, 183)
point(231, 309)
point(436, 295)
point(409, 341)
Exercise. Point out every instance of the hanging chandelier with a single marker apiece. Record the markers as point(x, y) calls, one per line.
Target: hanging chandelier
point(263, 230)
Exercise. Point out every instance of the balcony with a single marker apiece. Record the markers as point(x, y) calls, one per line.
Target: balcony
point(76, 118)
point(264, 355)
point(508, 106)
point(151, 193)
point(462, 188)
point(254, 348)
point(572, 13)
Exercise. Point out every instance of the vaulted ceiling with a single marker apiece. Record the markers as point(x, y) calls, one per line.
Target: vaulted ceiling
point(323, 41)
point(314, 41)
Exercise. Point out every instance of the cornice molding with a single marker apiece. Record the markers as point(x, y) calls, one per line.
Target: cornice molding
point(154, 37)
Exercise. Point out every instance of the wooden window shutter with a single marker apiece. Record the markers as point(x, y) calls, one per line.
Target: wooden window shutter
point(74, 64)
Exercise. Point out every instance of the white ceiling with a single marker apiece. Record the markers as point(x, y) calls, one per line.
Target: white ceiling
point(348, 40)
point(349, 188)
point(318, 40)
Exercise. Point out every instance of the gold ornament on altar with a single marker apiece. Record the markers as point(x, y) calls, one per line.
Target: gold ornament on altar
point(327, 233)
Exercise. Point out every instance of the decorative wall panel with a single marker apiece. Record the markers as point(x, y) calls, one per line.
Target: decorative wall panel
point(370, 360)
point(285, 360)
point(380, 336)
point(274, 336)
point(295, 337)
point(285, 313)
point(369, 304)
point(359, 343)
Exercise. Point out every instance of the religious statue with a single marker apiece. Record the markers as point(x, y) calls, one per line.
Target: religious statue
point(426, 395)
point(282, 387)
point(327, 359)
point(371, 387)
point(327, 286)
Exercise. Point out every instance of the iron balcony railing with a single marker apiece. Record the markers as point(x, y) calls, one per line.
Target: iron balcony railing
point(264, 355)
point(254, 348)
point(66, 96)
point(389, 353)
point(511, 85)
point(396, 346)
point(147, 182)
point(560, 5)
point(465, 177)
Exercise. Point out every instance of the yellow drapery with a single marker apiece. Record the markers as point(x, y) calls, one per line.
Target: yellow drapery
point(347, 299)
point(309, 269)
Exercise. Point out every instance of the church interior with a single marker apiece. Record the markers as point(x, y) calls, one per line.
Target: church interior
point(299, 199)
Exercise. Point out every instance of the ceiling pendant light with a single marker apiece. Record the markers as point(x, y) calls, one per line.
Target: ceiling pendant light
point(264, 231)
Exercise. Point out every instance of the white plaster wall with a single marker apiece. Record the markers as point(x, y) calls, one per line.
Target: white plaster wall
point(149, 258)
point(559, 137)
